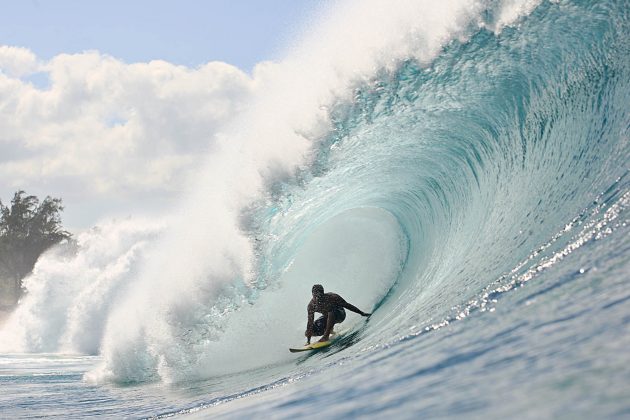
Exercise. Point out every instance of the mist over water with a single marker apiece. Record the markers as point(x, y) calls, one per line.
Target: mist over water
point(425, 160)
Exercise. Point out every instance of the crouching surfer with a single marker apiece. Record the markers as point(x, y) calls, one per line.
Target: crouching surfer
point(331, 306)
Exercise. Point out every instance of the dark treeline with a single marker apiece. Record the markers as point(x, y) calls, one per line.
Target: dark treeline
point(28, 227)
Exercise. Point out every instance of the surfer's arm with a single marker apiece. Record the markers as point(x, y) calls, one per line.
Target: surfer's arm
point(309, 324)
point(342, 302)
point(354, 309)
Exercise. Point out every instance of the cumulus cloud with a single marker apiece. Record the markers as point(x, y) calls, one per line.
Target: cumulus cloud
point(16, 61)
point(102, 129)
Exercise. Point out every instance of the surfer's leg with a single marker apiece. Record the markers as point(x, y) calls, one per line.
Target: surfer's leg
point(340, 315)
point(319, 326)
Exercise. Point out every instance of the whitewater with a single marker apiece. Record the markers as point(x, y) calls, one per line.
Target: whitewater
point(458, 168)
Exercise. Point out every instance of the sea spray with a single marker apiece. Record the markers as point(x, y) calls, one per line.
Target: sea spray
point(74, 287)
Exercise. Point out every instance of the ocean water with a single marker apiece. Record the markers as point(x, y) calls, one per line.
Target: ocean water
point(460, 169)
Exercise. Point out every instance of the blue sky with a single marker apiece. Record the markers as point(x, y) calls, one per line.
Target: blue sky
point(188, 32)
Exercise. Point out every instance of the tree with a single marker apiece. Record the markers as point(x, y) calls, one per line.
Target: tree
point(27, 229)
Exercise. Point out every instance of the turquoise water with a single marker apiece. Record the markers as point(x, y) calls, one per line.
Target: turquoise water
point(477, 202)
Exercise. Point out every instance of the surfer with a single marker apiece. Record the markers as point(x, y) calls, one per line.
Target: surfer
point(331, 306)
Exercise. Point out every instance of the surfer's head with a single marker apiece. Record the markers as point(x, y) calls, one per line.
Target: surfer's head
point(318, 290)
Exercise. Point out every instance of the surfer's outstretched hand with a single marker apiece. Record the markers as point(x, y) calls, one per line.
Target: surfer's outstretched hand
point(366, 314)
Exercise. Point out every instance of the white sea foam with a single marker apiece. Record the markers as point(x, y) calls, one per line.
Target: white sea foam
point(72, 291)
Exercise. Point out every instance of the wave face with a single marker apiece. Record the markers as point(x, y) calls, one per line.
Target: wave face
point(494, 146)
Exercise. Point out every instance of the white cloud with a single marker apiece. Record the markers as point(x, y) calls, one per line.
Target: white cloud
point(104, 128)
point(16, 61)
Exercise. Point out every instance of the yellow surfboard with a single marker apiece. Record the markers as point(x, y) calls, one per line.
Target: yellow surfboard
point(313, 346)
point(334, 335)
